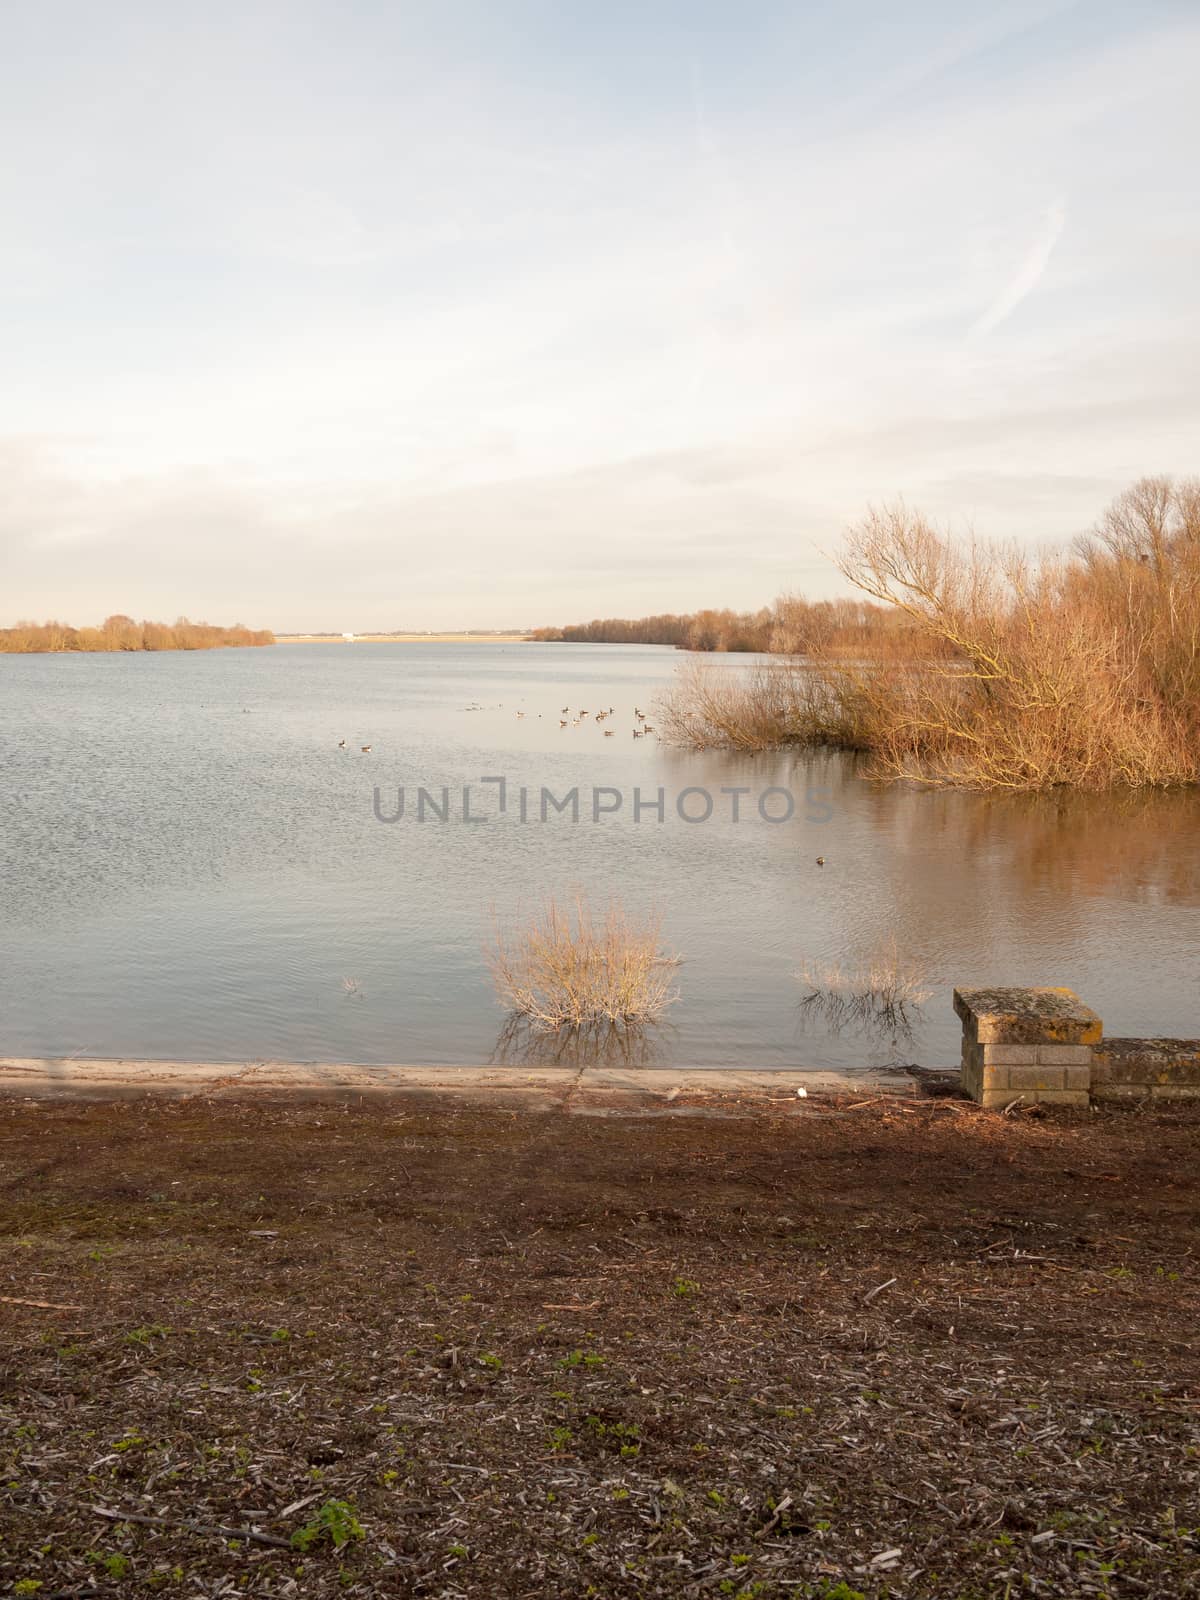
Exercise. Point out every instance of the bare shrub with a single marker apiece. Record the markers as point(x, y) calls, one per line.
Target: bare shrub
point(566, 968)
point(1057, 682)
point(1139, 570)
point(763, 707)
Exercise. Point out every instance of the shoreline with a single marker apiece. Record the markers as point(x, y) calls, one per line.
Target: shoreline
point(532, 1087)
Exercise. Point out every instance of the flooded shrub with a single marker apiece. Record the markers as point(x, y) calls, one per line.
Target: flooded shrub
point(763, 707)
point(566, 968)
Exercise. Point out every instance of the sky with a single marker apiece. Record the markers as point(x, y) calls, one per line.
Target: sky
point(361, 315)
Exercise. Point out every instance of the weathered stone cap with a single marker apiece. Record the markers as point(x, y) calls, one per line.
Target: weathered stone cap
point(1028, 1016)
point(1158, 1063)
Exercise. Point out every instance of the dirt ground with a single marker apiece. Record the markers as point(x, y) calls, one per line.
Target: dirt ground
point(426, 1348)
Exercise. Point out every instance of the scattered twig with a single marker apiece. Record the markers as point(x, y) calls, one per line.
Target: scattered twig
point(878, 1289)
point(217, 1528)
point(298, 1505)
point(776, 1518)
point(42, 1305)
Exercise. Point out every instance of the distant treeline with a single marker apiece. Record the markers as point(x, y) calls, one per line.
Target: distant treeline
point(123, 633)
point(792, 626)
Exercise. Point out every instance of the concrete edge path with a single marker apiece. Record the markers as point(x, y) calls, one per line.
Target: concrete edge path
point(583, 1090)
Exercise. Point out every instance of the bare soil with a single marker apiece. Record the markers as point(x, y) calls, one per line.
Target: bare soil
point(901, 1348)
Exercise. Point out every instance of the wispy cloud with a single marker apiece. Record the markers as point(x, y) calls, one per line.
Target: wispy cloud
point(1028, 275)
point(603, 312)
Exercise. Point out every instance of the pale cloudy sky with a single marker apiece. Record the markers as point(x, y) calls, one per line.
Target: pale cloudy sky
point(365, 314)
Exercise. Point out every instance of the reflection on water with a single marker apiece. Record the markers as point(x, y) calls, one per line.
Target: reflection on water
point(826, 1011)
point(1132, 842)
point(190, 865)
point(599, 1044)
point(880, 998)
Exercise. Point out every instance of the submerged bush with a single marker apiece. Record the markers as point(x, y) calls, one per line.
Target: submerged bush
point(565, 968)
point(764, 707)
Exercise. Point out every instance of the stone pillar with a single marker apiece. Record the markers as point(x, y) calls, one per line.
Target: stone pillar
point(1032, 1044)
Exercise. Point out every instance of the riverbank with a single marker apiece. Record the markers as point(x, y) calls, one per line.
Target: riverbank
point(909, 1347)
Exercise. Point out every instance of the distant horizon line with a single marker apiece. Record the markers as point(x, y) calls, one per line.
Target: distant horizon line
point(363, 633)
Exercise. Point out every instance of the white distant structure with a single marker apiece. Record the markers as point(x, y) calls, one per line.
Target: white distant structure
point(348, 637)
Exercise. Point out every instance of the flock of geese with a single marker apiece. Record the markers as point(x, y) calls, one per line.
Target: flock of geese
point(566, 720)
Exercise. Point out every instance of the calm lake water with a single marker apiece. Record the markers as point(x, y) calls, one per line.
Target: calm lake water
point(192, 868)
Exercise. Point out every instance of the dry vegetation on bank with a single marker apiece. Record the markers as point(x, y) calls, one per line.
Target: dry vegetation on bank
point(1081, 669)
point(123, 633)
point(911, 1349)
